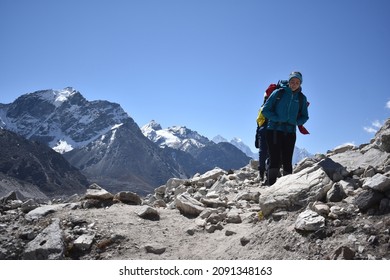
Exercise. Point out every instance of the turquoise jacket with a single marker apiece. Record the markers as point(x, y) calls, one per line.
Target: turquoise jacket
point(283, 114)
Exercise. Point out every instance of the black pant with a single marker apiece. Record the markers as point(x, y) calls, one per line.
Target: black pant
point(280, 148)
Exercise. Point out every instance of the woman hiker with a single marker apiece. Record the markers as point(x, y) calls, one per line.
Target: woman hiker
point(285, 109)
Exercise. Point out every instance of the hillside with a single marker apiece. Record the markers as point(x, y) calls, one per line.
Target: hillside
point(334, 206)
point(36, 171)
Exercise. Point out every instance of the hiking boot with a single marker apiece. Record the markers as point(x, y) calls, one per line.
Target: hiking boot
point(260, 176)
point(272, 176)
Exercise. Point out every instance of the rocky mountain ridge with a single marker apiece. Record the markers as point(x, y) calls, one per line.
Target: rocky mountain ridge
point(207, 153)
point(62, 119)
point(333, 206)
point(104, 142)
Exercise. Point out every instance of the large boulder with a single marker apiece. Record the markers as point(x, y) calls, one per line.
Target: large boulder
point(48, 245)
point(188, 206)
point(296, 190)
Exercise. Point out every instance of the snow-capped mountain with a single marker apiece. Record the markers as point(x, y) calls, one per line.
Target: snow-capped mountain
point(298, 155)
point(223, 155)
point(97, 137)
point(175, 137)
point(62, 119)
point(104, 142)
point(238, 143)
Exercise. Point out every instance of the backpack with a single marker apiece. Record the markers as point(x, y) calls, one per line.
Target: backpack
point(262, 121)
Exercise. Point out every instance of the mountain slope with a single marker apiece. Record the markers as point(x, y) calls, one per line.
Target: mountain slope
point(206, 152)
point(100, 139)
point(35, 169)
point(238, 143)
point(97, 137)
point(298, 155)
point(124, 159)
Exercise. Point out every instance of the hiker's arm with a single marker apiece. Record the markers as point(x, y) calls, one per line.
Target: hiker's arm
point(304, 116)
point(269, 106)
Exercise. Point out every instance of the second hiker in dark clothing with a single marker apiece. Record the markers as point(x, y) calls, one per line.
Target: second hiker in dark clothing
point(284, 111)
point(261, 141)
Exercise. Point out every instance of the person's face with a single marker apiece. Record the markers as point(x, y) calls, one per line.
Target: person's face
point(294, 84)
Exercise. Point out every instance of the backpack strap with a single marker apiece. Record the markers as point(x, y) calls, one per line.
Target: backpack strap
point(300, 102)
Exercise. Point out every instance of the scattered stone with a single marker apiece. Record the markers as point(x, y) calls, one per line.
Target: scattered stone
point(44, 210)
point(147, 212)
point(155, 249)
point(321, 208)
point(244, 240)
point(336, 193)
point(368, 199)
point(343, 253)
point(309, 221)
point(96, 192)
point(378, 182)
point(214, 203)
point(29, 205)
point(230, 232)
point(84, 242)
point(188, 206)
point(233, 218)
point(128, 198)
point(212, 228)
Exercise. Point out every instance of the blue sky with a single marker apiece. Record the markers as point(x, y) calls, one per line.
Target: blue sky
point(205, 64)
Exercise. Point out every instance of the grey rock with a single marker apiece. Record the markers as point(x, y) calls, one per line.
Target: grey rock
point(308, 185)
point(128, 198)
point(188, 205)
point(336, 193)
point(48, 245)
point(343, 253)
point(368, 199)
point(96, 192)
point(84, 242)
point(309, 221)
point(155, 249)
point(378, 182)
point(148, 212)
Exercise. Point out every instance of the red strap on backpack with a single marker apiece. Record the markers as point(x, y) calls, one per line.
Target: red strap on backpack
point(270, 89)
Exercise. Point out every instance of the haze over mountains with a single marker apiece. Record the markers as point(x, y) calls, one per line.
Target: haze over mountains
point(108, 147)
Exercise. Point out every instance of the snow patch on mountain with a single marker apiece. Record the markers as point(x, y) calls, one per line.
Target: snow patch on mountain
point(176, 137)
point(238, 143)
point(62, 147)
point(57, 97)
point(298, 155)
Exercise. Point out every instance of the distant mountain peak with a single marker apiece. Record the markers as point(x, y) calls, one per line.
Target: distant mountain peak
point(62, 119)
point(176, 137)
point(218, 139)
point(56, 97)
point(152, 125)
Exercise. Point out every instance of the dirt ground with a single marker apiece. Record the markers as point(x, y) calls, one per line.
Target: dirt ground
point(122, 234)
